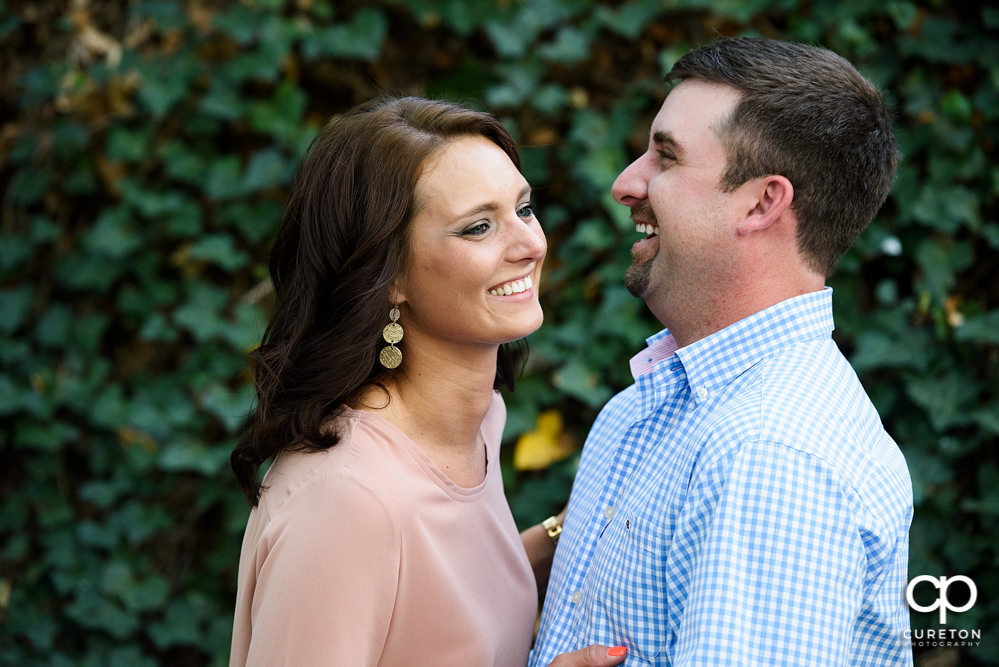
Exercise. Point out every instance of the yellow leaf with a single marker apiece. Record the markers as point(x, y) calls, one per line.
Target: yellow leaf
point(543, 446)
point(129, 436)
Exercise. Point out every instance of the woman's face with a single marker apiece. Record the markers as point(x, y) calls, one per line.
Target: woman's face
point(475, 253)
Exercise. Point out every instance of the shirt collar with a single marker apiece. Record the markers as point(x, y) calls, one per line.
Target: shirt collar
point(715, 360)
point(660, 346)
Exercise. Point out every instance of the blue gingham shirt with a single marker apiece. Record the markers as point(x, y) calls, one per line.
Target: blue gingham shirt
point(740, 504)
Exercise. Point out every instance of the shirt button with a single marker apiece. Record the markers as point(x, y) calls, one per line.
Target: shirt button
point(577, 596)
point(702, 392)
point(609, 511)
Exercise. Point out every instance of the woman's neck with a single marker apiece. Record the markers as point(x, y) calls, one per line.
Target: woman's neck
point(439, 399)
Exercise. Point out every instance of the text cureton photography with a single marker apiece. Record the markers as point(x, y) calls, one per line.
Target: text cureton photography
point(964, 598)
point(935, 637)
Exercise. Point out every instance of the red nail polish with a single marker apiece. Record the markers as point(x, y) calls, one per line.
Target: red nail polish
point(617, 651)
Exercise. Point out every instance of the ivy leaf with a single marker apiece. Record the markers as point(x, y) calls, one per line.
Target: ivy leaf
point(48, 436)
point(83, 271)
point(152, 201)
point(281, 115)
point(99, 613)
point(119, 580)
point(202, 313)
point(128, 145)
point(883, 349)
point(580, 381)
point(223, 101)
point(247, 328)
point(166, 16)
point(980, 329)
point(359, 39)
point(164, 85)
point(219, 249)
point(185, 454)
point(268, 168)
point(183, 162)
point(10, 395)
point(255, 221)
point(629, 19)
point(231, 407)
point(225, 179)
point(181, 623)
point(29, 184)
point(943, 398)
point(239, 22)
point(15, 304)
point(941, 260)
point(112, 234)
point(571, 45)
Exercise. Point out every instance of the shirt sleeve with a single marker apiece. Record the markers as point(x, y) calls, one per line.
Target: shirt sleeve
point(778, 567)
point(328, 572)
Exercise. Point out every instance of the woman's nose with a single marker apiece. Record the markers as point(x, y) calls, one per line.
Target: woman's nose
point(530, 242)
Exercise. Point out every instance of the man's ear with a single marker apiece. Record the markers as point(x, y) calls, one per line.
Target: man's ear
point(773, 198)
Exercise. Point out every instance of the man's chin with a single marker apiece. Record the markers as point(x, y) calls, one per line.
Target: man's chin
point(636, 278)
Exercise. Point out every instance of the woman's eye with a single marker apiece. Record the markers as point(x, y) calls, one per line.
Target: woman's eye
point(478, 229)
point(525, 211)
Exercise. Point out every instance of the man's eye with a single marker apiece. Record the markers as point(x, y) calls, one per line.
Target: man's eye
point(666, 157)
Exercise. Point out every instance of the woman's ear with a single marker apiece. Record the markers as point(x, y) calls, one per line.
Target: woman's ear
point(396, 293)
point(774, 195)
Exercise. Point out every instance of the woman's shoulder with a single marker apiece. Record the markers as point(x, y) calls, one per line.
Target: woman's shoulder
point(350, 467)
point(316, 499)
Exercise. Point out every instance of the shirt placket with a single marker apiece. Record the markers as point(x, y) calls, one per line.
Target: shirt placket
point(658, 394)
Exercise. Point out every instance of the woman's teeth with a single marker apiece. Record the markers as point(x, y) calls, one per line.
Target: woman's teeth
point(513, 287)
point(643, 228)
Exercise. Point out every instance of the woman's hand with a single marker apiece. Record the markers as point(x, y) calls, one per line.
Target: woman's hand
point(593, 655)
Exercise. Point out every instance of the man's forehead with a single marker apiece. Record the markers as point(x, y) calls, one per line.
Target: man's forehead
point(691, 106)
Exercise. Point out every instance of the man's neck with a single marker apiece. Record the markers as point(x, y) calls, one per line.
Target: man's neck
point(716, 310)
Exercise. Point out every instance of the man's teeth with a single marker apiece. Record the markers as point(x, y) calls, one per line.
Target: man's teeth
point(513, 287)
point(642, 228)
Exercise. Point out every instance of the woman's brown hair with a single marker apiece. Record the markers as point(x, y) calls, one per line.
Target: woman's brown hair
point(342, 242)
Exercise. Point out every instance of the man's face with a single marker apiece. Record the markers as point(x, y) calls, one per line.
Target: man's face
point(675, 200)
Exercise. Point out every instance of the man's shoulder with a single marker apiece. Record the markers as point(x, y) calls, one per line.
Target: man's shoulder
point(810, 391)
point(807, 398)
point(620, 409)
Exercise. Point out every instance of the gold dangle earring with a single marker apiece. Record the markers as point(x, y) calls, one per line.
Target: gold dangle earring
point(391, 356)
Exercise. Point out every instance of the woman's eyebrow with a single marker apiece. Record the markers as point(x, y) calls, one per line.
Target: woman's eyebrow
point(491, 206)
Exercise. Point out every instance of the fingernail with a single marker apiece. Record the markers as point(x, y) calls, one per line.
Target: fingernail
point(617, 651)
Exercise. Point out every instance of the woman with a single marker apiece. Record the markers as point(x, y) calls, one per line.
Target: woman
point(409, 255)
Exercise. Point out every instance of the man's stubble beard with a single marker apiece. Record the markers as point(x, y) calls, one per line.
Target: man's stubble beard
point(636, 277)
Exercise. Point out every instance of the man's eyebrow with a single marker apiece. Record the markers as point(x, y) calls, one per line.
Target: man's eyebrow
point(666, 140)
point(490, 206)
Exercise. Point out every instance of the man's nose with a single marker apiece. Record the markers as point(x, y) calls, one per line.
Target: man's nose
point(632, 184)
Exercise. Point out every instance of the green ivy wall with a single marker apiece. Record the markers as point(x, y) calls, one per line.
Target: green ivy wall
point(145, 152)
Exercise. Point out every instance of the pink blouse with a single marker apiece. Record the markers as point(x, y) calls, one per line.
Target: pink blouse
point(367, 554)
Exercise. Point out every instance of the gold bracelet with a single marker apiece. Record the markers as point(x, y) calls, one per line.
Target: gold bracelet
point(553, 527)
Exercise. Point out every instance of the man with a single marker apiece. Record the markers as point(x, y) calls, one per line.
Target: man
point(741, 502)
